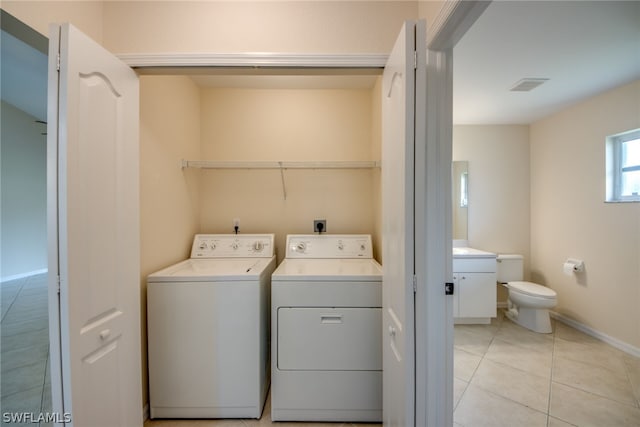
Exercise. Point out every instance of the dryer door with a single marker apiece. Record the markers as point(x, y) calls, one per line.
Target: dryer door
point(329, 339)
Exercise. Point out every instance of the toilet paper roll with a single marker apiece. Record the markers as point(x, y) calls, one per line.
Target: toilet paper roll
point(567, 268)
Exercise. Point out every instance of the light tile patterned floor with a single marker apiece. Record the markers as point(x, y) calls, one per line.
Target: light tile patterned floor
point(504, 375)
point(24, 344)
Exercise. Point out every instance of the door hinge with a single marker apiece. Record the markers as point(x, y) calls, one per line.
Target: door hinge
point(415, 283)
point(58, 62)
point(415, 60)
point(58, 283)
point(448, 288)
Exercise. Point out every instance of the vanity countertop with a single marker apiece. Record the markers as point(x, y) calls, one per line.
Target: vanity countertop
point(464, 252)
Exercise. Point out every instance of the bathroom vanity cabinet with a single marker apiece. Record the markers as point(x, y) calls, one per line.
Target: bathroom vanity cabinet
point(474, 275)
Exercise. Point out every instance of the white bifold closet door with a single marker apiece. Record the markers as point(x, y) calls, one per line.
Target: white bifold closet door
point(93, 221)
point(398, 148)
point(416, 160)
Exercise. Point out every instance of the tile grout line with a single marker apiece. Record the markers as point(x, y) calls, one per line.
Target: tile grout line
point(44, 385)
point(553, 359)
point(499, 363)
point(627, 371)
point(14, 299)
point(493, 335)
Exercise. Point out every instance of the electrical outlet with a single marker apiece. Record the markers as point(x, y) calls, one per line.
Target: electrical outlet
point(320, 225)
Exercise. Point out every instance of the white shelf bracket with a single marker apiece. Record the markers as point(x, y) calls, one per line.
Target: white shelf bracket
point(284, 187)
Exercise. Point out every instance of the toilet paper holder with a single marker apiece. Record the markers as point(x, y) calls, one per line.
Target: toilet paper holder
point(572, 265)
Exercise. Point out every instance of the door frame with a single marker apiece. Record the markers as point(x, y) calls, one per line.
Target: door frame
point(452, 22)
point(55, 327)
point(433, 312)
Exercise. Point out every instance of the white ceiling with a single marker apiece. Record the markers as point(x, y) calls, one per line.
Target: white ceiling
point(582, 47)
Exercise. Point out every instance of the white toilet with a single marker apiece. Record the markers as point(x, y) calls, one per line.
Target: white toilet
point(529, 303)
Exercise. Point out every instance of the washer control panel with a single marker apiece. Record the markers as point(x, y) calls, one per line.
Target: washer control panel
point(326, 246)
point(233, 246)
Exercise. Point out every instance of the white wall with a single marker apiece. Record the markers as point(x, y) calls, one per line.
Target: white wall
point(24, 193)
point(261, 26)
point(287, 125)
point(498, 157)
point(376, 153)
point(154, 26)
point(498, 213)
point(85, 15)
point(571, 219)
point(169, 196)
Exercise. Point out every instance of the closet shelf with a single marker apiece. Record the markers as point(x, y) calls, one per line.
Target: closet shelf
point(204, 164)
point(282, 166)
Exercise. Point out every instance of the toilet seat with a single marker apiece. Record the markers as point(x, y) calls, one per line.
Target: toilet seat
point(532, 289)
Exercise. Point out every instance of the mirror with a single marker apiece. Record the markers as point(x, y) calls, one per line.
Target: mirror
point(460, 199)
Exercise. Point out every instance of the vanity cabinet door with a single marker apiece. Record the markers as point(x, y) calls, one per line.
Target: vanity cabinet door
point(476, 295)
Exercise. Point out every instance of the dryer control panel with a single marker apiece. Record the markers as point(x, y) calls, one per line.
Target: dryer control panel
point(328, 246)
point(233, 246)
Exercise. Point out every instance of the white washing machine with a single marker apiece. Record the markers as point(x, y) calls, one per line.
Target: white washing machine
point(208, 324)
point(326, 352)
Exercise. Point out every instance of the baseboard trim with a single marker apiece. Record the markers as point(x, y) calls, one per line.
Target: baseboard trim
point(502, 304)
point(145, 412)
point(23, 275)
point(614, 342)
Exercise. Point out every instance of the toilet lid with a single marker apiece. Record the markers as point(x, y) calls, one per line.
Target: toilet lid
point(532, 289)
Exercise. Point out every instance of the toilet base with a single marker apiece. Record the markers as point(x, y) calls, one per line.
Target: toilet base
point(534, 319)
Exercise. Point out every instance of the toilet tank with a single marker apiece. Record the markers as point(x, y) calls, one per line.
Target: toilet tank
point(509, 268)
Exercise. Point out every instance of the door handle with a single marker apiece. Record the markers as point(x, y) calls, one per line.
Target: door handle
point(392, 331)
point(331, 318)
point(395, 76)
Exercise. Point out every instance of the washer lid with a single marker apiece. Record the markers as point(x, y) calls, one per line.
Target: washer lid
point(532, 289)
point(216, 269)
point(328, 270)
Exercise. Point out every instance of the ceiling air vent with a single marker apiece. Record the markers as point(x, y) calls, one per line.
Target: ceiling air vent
point(525, 85)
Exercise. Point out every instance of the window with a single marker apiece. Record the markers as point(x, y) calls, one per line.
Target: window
point(623, 167)
point(464, 190)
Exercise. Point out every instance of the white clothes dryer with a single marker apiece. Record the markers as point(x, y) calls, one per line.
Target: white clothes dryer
point(208, 324)
point(326, 353)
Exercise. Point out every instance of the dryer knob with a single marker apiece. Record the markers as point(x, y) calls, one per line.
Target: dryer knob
point(300, 247)
point(258, 246)
point(235, 246)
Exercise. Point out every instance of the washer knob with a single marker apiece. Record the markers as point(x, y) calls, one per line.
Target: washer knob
point(340, 245)
point(235, 246)
point(203, 245)
point(258, 246)
point(300, 247)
